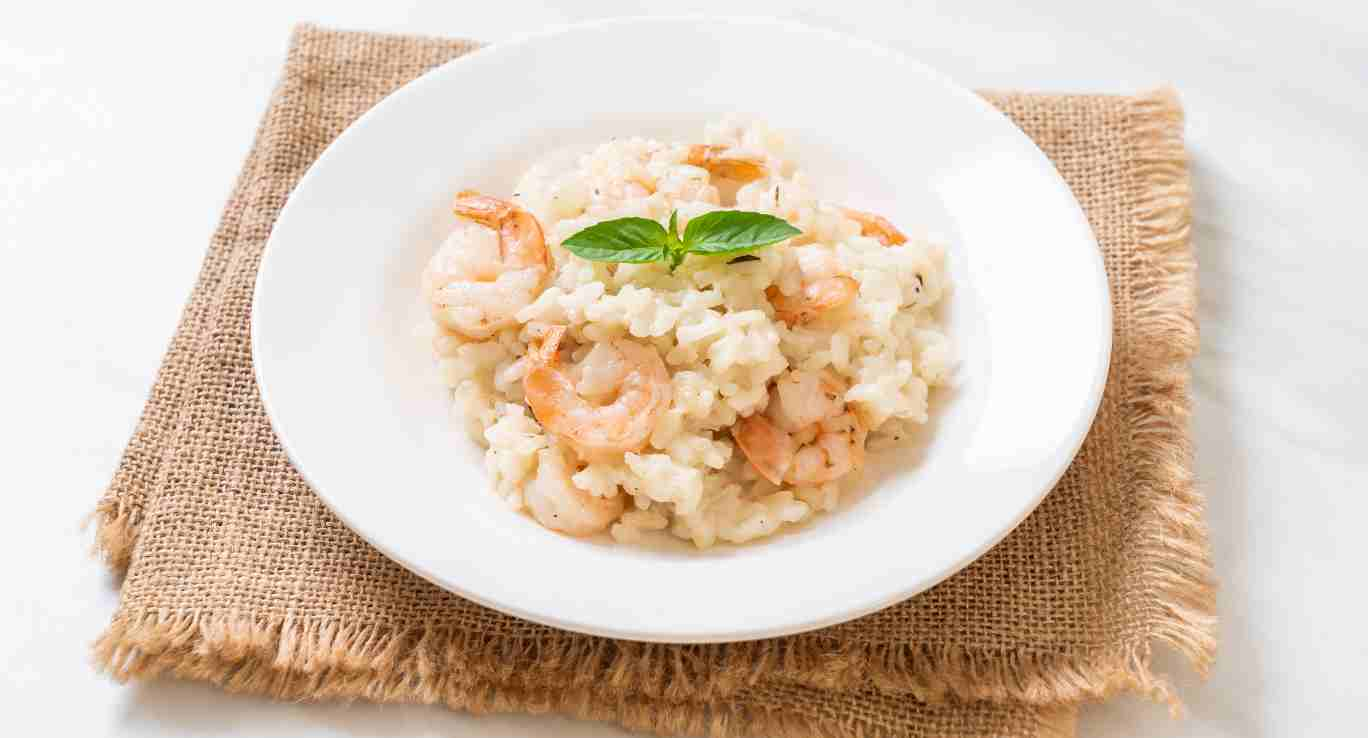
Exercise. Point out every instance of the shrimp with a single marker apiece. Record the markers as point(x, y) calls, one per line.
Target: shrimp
point(555, 501)
point(722, 162)
point(639, 381)
point(838, 450)
point(478, 280)
point(824, 287)
point(803, 405)
point(876, 226)
point(815, 299)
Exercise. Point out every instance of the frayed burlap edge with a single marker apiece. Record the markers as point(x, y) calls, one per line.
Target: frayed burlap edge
point(1172, 572)
point(148, 644)
point(238, 658)
point(1173, 565)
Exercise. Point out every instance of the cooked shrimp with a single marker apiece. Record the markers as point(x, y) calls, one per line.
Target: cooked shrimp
point(723, 162)
point(767, 448)
point(876, 226)
point(640, 392)
point(803, 404)
point(838, 450)
point(558, 504)
point(815, 299)
point(824, 287)
point(801, 399)
point(492, 266)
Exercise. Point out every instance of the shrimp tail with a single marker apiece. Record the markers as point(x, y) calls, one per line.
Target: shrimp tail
point(727, 164)
point(483, 209)
point(547, 352)
point(769, 449)
point(876, 227)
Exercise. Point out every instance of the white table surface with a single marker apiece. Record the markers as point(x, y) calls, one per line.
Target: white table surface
point(122, 128)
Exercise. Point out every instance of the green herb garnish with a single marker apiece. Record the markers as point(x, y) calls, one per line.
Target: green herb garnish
point(640, 240)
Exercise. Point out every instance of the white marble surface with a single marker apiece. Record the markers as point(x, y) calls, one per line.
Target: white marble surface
point(122, 127)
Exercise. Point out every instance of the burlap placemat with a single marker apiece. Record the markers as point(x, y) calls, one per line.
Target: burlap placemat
point(237, 574)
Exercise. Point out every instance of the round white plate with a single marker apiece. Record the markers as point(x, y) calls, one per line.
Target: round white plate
point(355, 399)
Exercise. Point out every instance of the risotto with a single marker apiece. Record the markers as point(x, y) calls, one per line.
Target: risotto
point(718, 398)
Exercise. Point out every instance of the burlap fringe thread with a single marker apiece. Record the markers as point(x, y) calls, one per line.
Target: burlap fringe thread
point(236, 657)
point(295, 659)
point(1173, 544)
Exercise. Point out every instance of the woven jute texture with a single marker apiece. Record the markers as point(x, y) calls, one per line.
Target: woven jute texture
point(235, 573)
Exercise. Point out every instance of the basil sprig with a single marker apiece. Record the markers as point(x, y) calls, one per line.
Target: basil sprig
point(640, 240)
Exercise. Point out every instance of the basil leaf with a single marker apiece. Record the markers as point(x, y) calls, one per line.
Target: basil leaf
point(633, 240)
point(730, 231)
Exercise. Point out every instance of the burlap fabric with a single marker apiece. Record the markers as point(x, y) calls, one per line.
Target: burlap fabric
point(237, 574)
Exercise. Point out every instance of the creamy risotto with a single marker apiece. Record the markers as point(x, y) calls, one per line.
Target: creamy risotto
point(718, 401)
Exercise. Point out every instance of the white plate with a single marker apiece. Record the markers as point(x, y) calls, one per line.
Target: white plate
point(356, 401)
